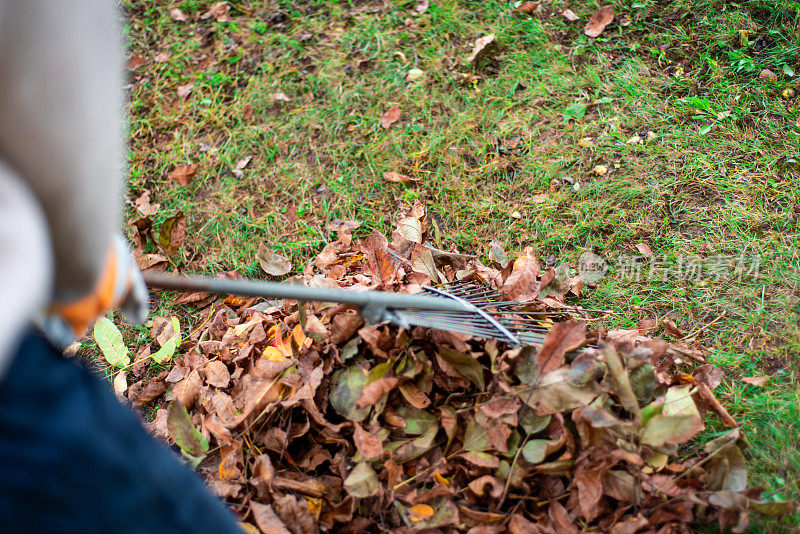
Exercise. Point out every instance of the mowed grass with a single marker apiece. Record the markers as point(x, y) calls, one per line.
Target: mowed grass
point(507, 148)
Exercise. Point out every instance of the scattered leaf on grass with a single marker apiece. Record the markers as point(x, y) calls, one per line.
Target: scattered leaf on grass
point(184, 91)
point(414, 75)
point(758, 381)
point(177, 14)
point(598, 22)
point(184, 174)
point(645, 250)
point(480, 44)
point(391, 116)
point(172, 233)
point(218, 11)
point(497, 254)
point(271, 262)
point(391, 176)
point(109, 339)
point(569, 15)
point(527, 7)
point(421, 6)
point(136, 61)
point(144, 206)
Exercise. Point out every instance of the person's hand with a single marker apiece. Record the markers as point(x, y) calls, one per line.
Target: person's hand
point(120, 286)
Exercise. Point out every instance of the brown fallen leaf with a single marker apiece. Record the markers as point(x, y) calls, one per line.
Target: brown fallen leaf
point(144, 206)
point(184, 174)
point(271, 262)
point(177, 14)
point(155, 262)
point(569, 15)
point(143, 392)
point(672, 329)
point(172, 233)
point(527, 7)
point(161, 57)
point(598, 22)
point(217, 374)
point(562, 338)
point(421, 6)
point(185, 90)
point(758, 381)
point(480, 44)
point(267, 520)
point(644, 249)
point(219, 11)
point(367, 444)
point(391, 116)
point(376, 389)
point(136, 61)
point(391, 176)
point(522, 281)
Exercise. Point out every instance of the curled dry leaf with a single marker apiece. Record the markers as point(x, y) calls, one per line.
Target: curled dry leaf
point(391, 116)
point(528, 7)
point(271, 262)
point(367, 444)
point(177, 14)
point(758, 381)
point(172, 233)
point(183, 174)
point(184, 91)
point(569, 15)
point(645, 250)
point(421, 6)
point(373, 391)
point(136, 61)
point(480, 44)
point(144, 206)
point(218, 11)
point(522, 282)
point(562, 338)
point(392, 176)
point(267, 520)
point(598, 22)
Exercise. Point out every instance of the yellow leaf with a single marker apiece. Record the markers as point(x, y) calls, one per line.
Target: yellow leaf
point(300, 338)
point(228, 469)
point(441, 479)
point(273, 354)
point(314, 506)
point(247, 528)
point(420, 512)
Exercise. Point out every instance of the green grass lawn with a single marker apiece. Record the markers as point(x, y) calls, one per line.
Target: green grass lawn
point(511, 146)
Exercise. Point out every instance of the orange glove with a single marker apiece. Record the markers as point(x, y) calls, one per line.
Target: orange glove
point(120, 286)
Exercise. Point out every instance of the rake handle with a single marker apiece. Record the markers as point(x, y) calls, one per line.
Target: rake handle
point(274, 290)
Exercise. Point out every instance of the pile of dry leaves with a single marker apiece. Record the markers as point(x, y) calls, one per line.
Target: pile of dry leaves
point(304, 418)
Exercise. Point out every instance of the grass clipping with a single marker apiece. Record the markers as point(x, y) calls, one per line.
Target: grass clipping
point(317, 421)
